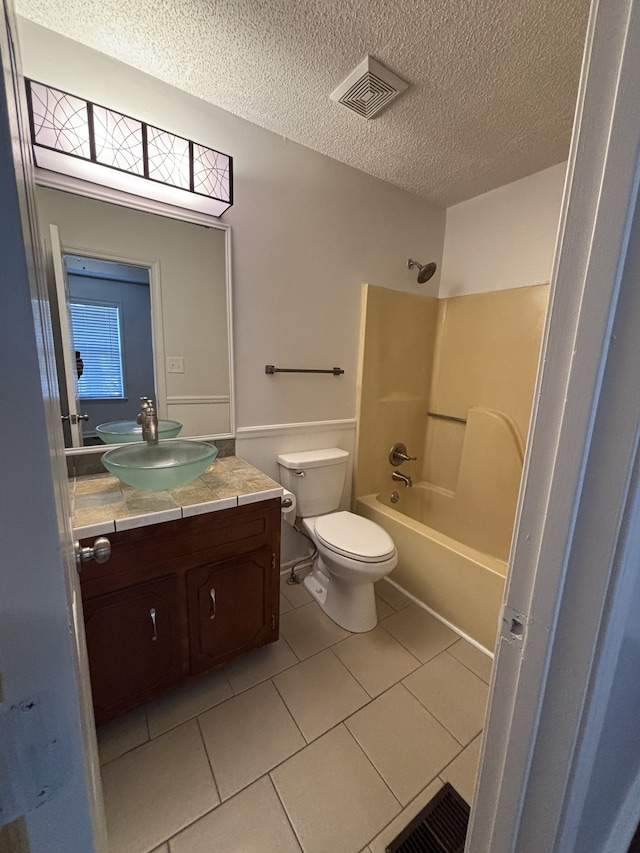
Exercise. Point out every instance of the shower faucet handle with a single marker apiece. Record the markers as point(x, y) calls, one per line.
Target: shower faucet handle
point(398, 454)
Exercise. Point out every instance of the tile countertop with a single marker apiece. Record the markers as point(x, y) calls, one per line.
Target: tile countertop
point(101, 504)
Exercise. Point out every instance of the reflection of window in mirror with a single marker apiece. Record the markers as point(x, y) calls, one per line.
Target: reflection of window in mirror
point(110, 310)
point(96, 328)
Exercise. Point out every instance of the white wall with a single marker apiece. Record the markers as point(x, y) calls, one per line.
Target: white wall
point(504, 238)
point(307, 231)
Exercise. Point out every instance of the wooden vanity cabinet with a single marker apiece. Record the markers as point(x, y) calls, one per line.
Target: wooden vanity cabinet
point(133, 645)
point(179, 599)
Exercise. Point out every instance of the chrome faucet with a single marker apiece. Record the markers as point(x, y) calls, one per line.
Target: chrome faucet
point(148, 420)
point(402, 478)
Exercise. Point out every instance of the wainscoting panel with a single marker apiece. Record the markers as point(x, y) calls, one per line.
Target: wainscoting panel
point(261, 446)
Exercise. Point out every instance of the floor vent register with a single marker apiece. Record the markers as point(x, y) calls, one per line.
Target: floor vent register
point(441, 826)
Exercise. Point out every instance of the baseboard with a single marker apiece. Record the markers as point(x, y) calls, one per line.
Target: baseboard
point(440, 618)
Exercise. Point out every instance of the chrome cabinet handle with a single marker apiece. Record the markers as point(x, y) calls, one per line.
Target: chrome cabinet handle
point(212, 593)
point(152, 613)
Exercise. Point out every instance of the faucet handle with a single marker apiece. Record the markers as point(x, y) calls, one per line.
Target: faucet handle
point(398, 454)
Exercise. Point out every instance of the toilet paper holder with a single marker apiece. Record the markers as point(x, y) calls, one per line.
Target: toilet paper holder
point(286, 503)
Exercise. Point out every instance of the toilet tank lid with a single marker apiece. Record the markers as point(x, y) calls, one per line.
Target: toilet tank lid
point(313, 458)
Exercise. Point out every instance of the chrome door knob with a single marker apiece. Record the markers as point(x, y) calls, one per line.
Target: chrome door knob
point(100, 552)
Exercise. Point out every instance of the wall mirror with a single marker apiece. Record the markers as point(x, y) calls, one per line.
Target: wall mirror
point(149, 289)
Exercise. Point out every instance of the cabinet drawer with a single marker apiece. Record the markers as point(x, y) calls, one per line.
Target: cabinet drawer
point(133, 645)
point(175, 546)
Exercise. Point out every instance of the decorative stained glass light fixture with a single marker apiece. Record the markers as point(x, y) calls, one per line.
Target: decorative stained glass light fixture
point(85, 140)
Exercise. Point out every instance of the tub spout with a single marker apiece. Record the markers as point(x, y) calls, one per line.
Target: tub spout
point(402, 478)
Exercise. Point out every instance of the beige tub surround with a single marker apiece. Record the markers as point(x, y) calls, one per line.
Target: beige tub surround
point(102, 504)
point(453, 379)
point(396, 362)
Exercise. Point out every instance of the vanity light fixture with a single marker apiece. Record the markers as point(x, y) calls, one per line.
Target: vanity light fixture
point(84, 140)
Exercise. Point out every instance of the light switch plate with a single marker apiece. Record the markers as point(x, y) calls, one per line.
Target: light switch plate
point(175, 364)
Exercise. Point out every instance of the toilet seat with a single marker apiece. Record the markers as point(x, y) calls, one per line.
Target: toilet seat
point(354, 536)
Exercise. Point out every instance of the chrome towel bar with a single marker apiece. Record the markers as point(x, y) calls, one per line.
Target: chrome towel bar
point(447, 417)
point(269, 368)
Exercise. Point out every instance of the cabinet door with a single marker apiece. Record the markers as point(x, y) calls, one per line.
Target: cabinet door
point(133, 645)
point(231, 608)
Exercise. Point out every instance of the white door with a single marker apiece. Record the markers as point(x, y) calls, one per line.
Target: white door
point(555, 725)
point(68, 371)
point(50, 799)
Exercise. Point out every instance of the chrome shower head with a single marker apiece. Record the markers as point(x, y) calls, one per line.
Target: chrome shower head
point(425, 272)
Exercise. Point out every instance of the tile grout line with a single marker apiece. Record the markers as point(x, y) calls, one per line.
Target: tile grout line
point(213, 775)
point(436, 718)
point(422, 663)
point(284, 809)
point(295, 722)
point(466, 666)
point(352, 674)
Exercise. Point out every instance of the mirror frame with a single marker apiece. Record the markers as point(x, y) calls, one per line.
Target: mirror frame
point(53, 180)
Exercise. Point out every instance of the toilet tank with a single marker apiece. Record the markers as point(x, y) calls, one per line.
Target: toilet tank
point(316, 477)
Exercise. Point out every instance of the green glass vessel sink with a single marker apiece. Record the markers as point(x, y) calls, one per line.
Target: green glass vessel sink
point(118, 432)
point(165, 465)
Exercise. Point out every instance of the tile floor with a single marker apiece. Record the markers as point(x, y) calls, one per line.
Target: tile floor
point(324, 742)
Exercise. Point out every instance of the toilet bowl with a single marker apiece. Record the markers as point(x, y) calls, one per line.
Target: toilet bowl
point(352, 552)
point(343, 576)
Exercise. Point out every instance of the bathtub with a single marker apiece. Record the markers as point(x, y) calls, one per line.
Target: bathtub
point(455, 579)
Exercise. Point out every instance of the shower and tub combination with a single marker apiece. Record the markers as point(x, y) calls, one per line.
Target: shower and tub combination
point(455, 388)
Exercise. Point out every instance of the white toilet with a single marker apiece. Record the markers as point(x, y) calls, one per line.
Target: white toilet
point(352, 552)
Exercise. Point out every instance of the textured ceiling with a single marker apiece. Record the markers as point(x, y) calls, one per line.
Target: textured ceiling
point(492, 82)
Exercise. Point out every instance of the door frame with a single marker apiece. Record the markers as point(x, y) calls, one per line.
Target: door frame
point(563, 617)
point(51, 792)
point(157, 324)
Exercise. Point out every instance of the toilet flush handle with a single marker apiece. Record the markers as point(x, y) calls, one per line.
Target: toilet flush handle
point(299, 474)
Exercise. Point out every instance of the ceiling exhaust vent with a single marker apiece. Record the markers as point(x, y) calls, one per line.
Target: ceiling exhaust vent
point(369, 88)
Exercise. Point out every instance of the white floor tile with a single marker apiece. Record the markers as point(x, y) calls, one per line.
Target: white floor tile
point(472, 658)
point(296, 594)
point(396, 599)
point(285, 607)
point(407, 746)
point(376, 660)
point(461, 773)
point(247, 671)
point(320, 692)
point(333, 796)
point(247, 736)
point(453, 694)
point(251, 822)
point(187, 702)
point(157, 789)
point(419, 632)
point(308, 630)
point(393, 829)
point(383, 609)
point(121, 735)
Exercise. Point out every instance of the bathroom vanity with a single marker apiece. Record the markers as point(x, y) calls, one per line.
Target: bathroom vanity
point(180, 597)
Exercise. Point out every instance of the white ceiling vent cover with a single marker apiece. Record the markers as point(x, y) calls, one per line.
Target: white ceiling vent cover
point(369, 88)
